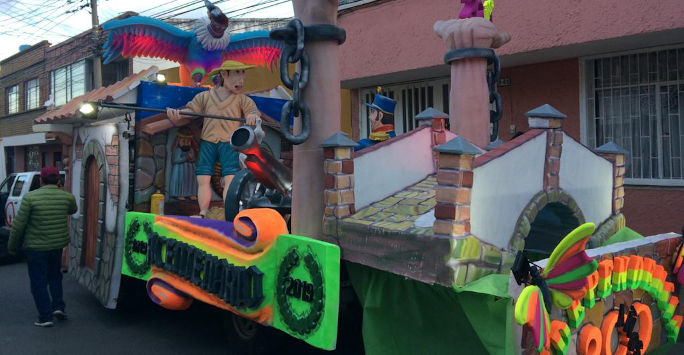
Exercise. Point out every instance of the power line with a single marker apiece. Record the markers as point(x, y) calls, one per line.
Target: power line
point(233, 12)
point(176, 8)
point(262, 24)
point(22, 17)
point(51, 21)
point(227, 13)
point(262, 8)
point(33, 22)
point(158, 6)
point(40, 31)
point(58, 23)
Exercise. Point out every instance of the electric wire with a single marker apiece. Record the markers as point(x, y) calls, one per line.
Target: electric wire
point(43, 21)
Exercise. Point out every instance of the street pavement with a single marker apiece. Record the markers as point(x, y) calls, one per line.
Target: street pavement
point(138, 327)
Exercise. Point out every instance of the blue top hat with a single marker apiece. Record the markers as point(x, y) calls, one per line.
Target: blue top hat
point(383, 103)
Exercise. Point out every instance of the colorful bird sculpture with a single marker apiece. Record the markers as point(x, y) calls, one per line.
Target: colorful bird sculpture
point(198, 51)
point(563, 281)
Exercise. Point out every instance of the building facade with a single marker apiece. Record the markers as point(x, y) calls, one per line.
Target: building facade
point(23, 89)
point(38, 79)
point(618, 77)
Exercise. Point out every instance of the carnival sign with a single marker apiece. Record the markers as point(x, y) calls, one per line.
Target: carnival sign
point(251, 267)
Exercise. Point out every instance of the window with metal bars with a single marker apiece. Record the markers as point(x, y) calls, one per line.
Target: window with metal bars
point(637, 101)
point(411, 99)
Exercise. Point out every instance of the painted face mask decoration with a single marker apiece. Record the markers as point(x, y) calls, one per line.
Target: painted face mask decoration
point(375, 118)
point(233, 80)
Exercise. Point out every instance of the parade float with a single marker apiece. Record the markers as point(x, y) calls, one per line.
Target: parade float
point(450, 238)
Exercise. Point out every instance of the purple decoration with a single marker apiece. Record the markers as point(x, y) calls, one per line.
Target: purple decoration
point(247, 222)
point(223, 227)
point(680, 275)
point(163, 284)
point(471, 8)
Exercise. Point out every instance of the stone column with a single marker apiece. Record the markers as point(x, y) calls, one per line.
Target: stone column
point(339, 176)
point(548, 118)
point(470, 258)
point(437, 120)
point(616, 155)
point(322, 94)
point(469, 96)
point(112, 153)
point(454, 184)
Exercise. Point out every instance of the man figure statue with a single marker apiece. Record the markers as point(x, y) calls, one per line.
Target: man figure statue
point(40, 229)
point(225, 99)
point(381, 118)
point(184, 151)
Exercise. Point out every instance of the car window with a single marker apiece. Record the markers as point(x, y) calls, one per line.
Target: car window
point(35, 183)
point(7, 184)
point(19, 185)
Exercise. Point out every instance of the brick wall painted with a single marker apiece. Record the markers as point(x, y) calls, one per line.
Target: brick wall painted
point(17, 70)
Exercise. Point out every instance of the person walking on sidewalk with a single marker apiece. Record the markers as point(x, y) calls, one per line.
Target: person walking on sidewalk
point(40, 230)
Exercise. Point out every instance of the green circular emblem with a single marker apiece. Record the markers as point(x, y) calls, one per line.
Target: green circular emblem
point(310, 293)
point(134, 247)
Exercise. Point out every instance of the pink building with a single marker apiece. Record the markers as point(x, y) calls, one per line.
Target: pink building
point(615, 68)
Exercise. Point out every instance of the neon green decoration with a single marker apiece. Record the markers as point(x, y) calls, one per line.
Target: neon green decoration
point(589, 299)
point(488, 9)
point(251, 267)
point(575, 314)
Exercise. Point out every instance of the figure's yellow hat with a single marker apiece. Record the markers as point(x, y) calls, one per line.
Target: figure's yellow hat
point(231, 65)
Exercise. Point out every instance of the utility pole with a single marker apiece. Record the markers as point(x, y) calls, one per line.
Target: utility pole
point(97, 61)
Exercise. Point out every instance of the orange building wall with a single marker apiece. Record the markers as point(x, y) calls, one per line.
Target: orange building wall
point(651, 210)
point(555, 83)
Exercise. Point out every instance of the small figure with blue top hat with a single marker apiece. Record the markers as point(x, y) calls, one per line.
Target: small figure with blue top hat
point(381, 117)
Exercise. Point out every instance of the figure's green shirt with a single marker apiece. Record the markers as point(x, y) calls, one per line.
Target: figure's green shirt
point(41, 223)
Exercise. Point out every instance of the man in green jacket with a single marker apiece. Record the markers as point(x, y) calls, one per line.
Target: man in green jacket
point(40, 230)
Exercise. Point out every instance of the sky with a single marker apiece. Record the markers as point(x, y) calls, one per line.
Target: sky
point(31, 21)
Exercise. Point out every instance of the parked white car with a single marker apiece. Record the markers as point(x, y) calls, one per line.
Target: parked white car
point(12, 190)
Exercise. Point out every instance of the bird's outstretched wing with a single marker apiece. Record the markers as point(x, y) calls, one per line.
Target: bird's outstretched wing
point(569, 266)
point(144, 36)
point(255, 48)
point(530, 311)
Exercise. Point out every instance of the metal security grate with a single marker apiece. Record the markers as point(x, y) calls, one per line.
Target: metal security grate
point(637, 101)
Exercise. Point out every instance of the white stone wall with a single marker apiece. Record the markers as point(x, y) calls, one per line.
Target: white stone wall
point(503, 187)
point(382, 172)
point(588, 178)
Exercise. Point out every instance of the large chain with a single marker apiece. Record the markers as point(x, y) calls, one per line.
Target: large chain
point(294, 53)
point(494, 97)
point(294, 35)
point(492, 80)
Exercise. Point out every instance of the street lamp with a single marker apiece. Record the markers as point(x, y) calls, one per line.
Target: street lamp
point(88, 109)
